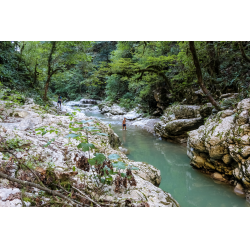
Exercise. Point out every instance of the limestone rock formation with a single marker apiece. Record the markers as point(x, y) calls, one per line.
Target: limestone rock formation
point(180, 119)
point(222, 145)
point(61, 155)
point(113, 110)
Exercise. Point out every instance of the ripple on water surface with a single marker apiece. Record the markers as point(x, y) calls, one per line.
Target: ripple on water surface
point(187, 185)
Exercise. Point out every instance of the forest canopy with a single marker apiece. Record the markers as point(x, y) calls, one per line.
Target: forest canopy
point(152, 74)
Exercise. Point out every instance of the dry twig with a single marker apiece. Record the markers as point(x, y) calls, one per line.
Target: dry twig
point(31, 184)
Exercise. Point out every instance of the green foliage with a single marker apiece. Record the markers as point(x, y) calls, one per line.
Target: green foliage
point(119, 165)
point(98, 159)
point(49, 142)
point(114, 156)
point(85, 146)
point(45, 129)
point(16, 144)
point(229, 102)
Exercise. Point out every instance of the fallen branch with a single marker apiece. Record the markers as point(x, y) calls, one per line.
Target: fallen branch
point(39, 180)
point(68, 192)
point(8, 151)
point(23, 204)
point(31, 184)
point(86, 197)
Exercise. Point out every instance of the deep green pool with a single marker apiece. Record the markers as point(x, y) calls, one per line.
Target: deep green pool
point(187, 185)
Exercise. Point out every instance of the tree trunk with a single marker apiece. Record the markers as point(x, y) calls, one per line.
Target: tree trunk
point(50, 71)
point(214, 62)
point(20, 57)
point(243, 52)
point(35, 75)
point(46, 88)
point(213, 66)
point(199, 76)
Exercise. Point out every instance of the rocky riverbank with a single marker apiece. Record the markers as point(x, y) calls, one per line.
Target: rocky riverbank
point(35, 143)
point(178, 120)
point(221, 147)
point(134, 117)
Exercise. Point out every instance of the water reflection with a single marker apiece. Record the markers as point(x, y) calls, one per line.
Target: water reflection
point(124, 136)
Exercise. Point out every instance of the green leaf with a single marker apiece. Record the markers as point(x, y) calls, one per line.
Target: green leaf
point(109, 178)
point(106, 167)
point(74, 168)
point(123, 175)
point(114, 156)
point(98, 159)
point(72, 136)
point(134, 168)
point(85, 146)
point(76, 129)
point(47, 144)
point(101, 134)
point(93, 129)
point(119, 165)
point(86, 121)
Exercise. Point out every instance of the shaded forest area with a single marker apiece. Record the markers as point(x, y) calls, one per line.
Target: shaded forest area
point(152, 75)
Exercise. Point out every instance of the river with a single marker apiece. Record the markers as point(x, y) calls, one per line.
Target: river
point(187, 185)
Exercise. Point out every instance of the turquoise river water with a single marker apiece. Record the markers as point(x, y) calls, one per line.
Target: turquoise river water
point(187, 185)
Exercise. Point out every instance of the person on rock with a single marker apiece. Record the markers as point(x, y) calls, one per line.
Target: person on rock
point(124, 124)
point(59, 101)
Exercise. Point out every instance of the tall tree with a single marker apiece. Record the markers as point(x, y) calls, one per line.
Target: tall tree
point(199, 76)
point(50, 70)
point(62, 56)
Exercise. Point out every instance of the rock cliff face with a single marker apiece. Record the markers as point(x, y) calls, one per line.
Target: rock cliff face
point(18, 127)
point(222, 146)
point(180, 119)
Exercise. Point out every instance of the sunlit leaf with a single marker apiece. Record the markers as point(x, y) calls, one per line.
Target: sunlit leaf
point(133, 168)
point(72, 136)
point(119, 165)
point(86, 121)
point(76, 129)
point(114, 156)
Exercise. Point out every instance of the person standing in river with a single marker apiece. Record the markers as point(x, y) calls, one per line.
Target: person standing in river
point(59, 101)
point(124, 124)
